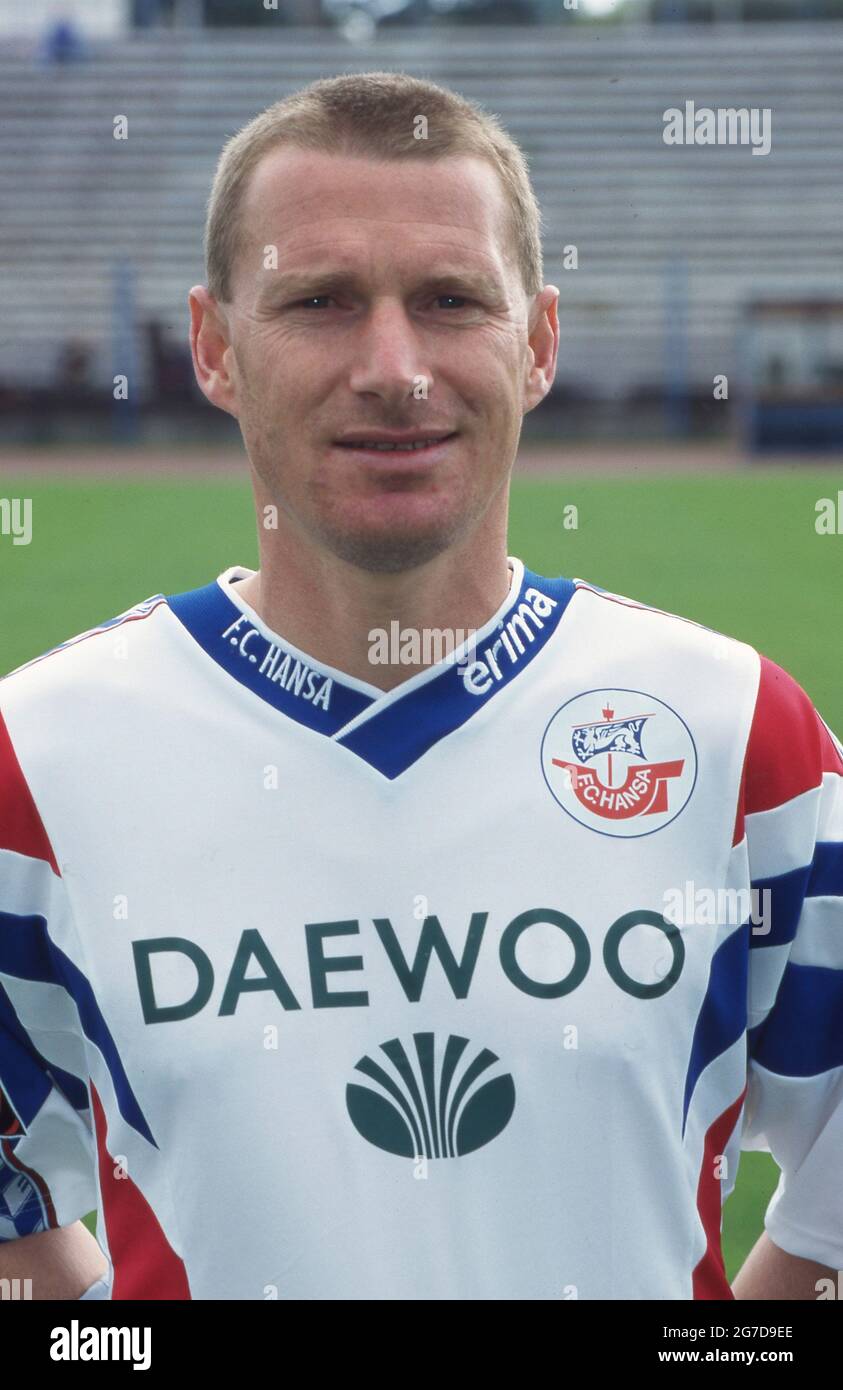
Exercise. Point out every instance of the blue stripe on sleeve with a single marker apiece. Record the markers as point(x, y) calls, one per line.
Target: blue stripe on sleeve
point(786, 895)
point(723, 1014)
point(28, 953)
point(803, 1033)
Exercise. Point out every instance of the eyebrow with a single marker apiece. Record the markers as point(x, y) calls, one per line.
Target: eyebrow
point(312, 282)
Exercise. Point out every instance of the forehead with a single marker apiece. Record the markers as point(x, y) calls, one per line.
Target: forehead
point(308, 203)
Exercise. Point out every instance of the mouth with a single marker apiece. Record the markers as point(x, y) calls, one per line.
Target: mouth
point(385, 449)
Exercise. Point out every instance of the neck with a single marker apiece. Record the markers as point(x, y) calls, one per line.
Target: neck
point(334, 611)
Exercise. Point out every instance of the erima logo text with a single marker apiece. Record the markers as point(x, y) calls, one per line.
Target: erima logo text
point(480, 675)
point(661, 938)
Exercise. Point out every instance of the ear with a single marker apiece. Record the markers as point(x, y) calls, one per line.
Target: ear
point(213, 355)
point(543, 346)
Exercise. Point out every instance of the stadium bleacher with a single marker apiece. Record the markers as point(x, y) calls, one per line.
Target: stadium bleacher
point(703, 228)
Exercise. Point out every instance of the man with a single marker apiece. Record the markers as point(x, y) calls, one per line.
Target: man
point(370, 978)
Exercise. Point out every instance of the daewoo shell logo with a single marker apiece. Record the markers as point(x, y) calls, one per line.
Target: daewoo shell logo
point(619, 761)
point(439, 1111)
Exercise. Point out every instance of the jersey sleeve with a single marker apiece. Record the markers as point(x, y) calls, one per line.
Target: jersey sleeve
point(47, 1151)
point(792, 808)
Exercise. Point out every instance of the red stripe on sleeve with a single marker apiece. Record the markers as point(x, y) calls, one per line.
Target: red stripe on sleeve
point(144, 1263)
point(708, 1280)
point(788, 749)
point(21, 827)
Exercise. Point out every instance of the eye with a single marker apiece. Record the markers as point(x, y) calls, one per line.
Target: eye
point(462, 298)
point(311, 298)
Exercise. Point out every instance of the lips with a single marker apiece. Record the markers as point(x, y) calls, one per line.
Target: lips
point(382, 442)
point(399, 455)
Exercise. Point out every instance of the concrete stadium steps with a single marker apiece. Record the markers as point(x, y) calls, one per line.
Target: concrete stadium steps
point(586, 105)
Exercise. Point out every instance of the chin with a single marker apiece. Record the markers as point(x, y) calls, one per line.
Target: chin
point(390, 553)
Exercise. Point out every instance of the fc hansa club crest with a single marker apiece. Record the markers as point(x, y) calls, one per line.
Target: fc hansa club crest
point(619, 761)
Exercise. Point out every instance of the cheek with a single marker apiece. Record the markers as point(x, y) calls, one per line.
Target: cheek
point(274, 398)
point(265, 363)
point(489, 377)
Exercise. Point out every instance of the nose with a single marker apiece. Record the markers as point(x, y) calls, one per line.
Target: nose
point(389, 360)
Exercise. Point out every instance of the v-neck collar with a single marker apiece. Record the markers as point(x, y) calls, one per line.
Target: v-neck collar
point(389, 729)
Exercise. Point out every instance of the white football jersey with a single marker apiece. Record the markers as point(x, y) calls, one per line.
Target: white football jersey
point(474, 989)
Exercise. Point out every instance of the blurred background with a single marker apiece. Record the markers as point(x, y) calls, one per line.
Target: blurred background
point(676, 263)
point(696, 422)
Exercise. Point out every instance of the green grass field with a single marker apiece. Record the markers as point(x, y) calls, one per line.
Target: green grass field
point(736, 552)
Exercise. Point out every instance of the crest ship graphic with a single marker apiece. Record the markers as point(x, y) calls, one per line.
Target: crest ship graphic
point(620, 762)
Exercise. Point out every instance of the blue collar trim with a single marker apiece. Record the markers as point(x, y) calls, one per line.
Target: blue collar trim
point(279, 674)
point(405, 722)
point(401, 731)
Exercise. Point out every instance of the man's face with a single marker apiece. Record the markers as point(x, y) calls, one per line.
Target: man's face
point(394, 308)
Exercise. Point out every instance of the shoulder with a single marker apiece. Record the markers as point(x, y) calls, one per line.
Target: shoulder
point(46, 702)
point(85, 652)
point(619, 617)
point(790, 749)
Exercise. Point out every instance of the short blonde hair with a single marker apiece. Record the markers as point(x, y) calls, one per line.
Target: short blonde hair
point(373, 115)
